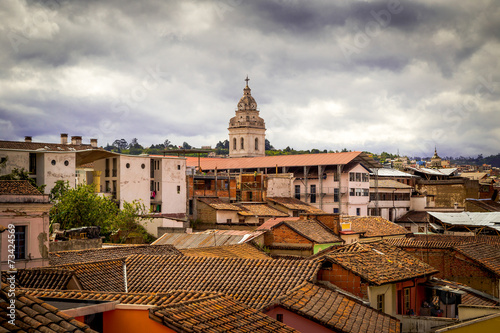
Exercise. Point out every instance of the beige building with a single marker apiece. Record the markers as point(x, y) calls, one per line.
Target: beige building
point(247, 131)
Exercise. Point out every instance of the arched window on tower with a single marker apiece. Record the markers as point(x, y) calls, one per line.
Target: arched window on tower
point(242, 143)
point(234, 144)
point(256, 143)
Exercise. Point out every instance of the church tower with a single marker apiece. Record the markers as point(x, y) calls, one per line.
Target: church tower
point(247, 131)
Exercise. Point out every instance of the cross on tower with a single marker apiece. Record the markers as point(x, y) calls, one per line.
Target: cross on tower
point(247, 79)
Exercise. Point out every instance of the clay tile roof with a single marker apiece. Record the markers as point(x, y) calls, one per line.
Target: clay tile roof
point(106, 275)
point(117, 252)
point(379, 262)
point(261, 209)
point(252, 281)
point(487, 205)
point(121, 297)
point(485, 254)
point(21, 145)
point(313, 230)
point(22, 187)
point(421, 243)
point(295, 204)
point(492, 240)
point(244, 250)
point(216, 314)
point(217, 203)
point(374, 226)
point(269, 224)
point(47, 278)
point(34, 315)
point(335, 310)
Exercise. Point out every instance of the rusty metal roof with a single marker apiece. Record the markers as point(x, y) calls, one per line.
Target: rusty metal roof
point(206, 239)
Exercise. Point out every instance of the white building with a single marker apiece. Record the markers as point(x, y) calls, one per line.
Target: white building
point(390, 199)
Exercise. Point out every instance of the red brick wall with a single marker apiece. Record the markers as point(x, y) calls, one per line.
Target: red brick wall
point(344, 279)
point(331, 221)
point(283, 234)
point(456, 267)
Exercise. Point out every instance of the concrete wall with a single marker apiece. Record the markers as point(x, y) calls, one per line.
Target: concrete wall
point(15, 160)
point(445, 193)
point(55, 168)
point(134, 180)
point(35, 217)
point(296, 321)
point(75, 244)
point(351, 203)
point(173, 185)
point(280, 185)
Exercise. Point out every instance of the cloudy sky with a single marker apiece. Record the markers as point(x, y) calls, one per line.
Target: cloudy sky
point(362, 75)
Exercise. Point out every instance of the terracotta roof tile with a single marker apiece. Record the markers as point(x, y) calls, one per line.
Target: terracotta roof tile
point(485, 254)
point(106, 275)
point(374, 226)
point(117, 252)
point(33, 315)
point(19, 187)
point(295, 204)
point(47, 278)
point(444, 241)
point(217, 203)
point(216, 314)
point(261, 209)
point(379, 262)
point(244, 250)
point(269, 224)
point(21, 145)
point(121, 297)
point(252, 281)
point(334, 309)
point(314, 230)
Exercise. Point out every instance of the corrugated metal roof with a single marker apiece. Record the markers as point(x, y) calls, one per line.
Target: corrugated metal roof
point(206, 239)
point(386, 172)
point(281, 161)
point(477, 219)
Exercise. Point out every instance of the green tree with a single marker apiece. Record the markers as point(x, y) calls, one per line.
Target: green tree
point(59, 189)
point(22, 174)
point(126, 222)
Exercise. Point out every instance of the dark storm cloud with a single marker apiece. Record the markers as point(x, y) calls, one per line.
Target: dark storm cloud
point(174, 69)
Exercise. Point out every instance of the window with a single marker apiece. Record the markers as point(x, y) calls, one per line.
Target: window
point(358, 211)
point(297, 192)
point(158, 186)
point(66, 163)
point(279, 317)
point(143, 166)
point(335, 211)
point(256, 144)
point(20, 242)
point(365, 177)
point(114, 186)
point(352, 192)
point(178, 189)
point(407, 299)
point(108, 189)
point(421, 229)
point(335, 195)
point(190, 206)
point(127, 165)
point(234, 144)
point(115, 166)
point(152, 186)
point(106, 171)
point(335, 177)
point(381, 302)
point(242, 220)
point(352, 176)
point(261, 221)
point(313, 193)
point(365, 192)
point(242, 143)
point(358, 176)
point(178, 166)
point(53, 162)
point(229, 221)
point(32, 167)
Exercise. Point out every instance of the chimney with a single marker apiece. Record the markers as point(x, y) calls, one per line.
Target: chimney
point(64, 138)
point(76, 140)
point(27, 139)
point(93, 143)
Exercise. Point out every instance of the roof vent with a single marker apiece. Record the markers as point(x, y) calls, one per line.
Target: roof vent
point(64, 138)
